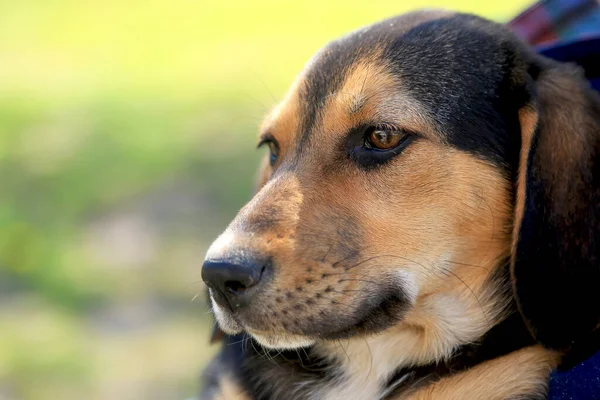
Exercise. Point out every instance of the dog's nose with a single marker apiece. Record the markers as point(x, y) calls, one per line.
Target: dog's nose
point(232, 278)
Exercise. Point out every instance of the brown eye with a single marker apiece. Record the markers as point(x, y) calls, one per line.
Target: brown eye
point(273, 153)
point(370, 146)
point(273, 149)
point(384, 139)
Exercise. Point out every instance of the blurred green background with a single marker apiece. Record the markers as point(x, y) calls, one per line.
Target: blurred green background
point(127, 132)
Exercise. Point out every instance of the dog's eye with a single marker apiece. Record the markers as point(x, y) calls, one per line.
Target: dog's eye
point(383, 139)
point(273, 149)
point(374, 145)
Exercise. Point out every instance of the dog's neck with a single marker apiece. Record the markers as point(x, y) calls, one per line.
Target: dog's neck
point(373, 367)
point(432, 335)
point(397, 361)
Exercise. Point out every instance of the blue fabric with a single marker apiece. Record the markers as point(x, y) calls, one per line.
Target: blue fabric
point(585, 52)
point(572, 51)
point(582, 382)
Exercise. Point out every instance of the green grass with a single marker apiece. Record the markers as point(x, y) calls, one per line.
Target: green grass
point(127, 133)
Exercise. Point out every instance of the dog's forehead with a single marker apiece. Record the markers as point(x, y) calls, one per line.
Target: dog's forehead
point(331, 68)
point(325, 71)
point(451, 67)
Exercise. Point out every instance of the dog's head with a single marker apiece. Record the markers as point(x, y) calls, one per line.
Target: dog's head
point(409, 163)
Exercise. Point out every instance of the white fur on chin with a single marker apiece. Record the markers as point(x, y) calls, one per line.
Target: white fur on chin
point(276, 342)
point(282, 342)
point(226, 323)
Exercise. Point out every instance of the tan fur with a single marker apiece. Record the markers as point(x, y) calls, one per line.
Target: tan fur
point(369, 92)
point(522, 374)
point(230, 390)
point(436, 327)
point(528, 118)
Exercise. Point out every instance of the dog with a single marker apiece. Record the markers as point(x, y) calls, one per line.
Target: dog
point(425, 224)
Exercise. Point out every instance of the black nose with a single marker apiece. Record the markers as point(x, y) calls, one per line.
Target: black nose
point(233, 278)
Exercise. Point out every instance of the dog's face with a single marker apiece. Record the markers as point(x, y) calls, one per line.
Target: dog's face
point(387, 196)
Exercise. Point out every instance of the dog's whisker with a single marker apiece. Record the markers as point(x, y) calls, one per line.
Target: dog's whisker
point(306, 354)
point(335, 264)
point(343, 291)
point(272, 358)
point(262, 81)
point(358, 280)
point(343, 349)
point(480, 304)
point(381, 256)
point(362, 88)
point(245, 342)
point(326, 254)
point(333, 301)
point(237, 341)
point(468, 265)
point(371, 359)
point(493, 231)
point(300, 358)
point(258, 102)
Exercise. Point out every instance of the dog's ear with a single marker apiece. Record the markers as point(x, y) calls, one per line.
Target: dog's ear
point(555, 263)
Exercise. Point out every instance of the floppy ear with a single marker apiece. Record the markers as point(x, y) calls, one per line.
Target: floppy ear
point(555, 263)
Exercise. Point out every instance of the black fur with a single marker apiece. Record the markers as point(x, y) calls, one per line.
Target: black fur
point(267, 374)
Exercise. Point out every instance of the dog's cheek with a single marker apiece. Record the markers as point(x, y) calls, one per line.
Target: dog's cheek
point(437, 210)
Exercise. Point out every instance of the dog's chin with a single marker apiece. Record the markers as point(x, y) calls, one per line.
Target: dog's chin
point(281, 341)
point(225, 321)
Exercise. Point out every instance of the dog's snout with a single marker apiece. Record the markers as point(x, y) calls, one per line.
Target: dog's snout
point(233, 278)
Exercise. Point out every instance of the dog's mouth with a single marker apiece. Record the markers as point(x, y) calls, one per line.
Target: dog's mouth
point(372, 316)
